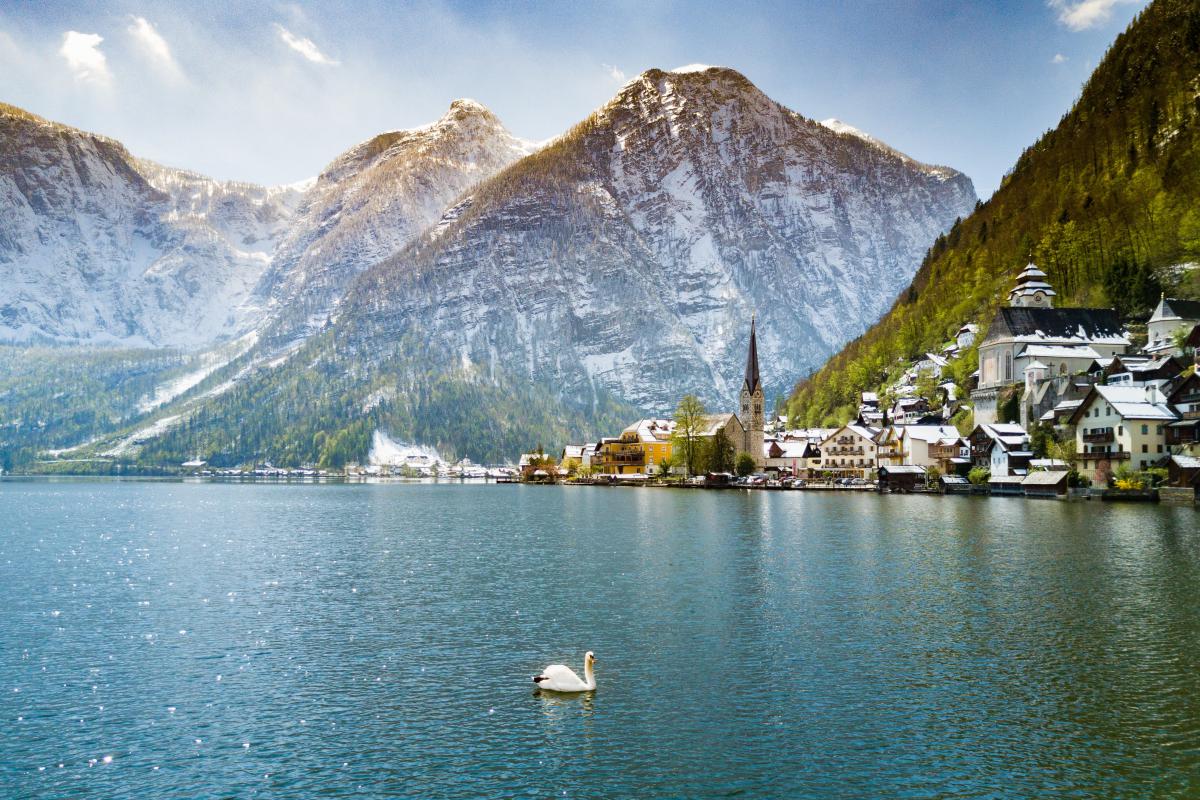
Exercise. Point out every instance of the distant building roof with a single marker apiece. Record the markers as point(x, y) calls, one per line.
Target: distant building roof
point(902, 469)
point(929, 433)
point(1057, 326)
point(1058, 351)
point(1131, 402)
point(1045, 478)
point(1172, 308)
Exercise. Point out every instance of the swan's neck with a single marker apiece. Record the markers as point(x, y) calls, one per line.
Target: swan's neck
point(588, 677)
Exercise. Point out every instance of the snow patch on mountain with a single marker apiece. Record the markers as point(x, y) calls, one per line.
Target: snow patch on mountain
point(386, 452)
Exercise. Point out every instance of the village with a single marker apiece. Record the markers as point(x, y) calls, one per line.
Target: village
point(1063, 404)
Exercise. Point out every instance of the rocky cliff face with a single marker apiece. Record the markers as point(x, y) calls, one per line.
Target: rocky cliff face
point(629, 254)
point(373, 200)
point(98, 246)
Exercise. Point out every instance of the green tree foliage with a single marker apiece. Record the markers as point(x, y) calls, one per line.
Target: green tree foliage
point(1105, 202)
point(745, 465)
point(689, 424)
point(719, 452)
point(978, 476)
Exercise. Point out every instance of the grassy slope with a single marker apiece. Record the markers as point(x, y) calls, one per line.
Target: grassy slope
point(1105, 203)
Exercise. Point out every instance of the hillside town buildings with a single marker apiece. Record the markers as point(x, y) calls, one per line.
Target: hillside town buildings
point(1065, 374)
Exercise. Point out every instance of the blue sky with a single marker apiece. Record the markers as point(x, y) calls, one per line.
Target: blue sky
point(271, 92)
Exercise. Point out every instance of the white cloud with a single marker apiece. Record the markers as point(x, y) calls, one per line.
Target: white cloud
point(615, 73)
point(1059, 58)
point(1079, 15)
point(305, 47)
point(83, 56)
point(155, 47)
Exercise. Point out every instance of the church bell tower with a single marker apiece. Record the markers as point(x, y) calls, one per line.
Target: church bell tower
point(751, 405)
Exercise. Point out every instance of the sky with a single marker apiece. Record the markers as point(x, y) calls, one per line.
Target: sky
point(271, 92)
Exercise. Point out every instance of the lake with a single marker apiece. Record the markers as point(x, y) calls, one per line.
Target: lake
point(164, 640)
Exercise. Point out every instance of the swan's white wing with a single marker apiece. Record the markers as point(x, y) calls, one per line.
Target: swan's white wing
point(559, 678)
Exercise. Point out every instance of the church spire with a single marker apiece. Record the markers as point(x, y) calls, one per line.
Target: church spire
point(752, 379)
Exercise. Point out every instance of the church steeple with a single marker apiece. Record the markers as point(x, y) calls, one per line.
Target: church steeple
point(752, 403)
point(751, 384)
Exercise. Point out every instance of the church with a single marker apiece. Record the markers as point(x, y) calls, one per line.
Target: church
point(1032, 334)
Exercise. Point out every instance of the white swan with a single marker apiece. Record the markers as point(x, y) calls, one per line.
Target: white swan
point(559, 678)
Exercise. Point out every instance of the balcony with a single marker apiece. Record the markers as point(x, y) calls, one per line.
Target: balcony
point(1100, 455)
point(627, 458)
point(889, 452)
point(1193, 414)
point(1098, 437)
point(937, 451)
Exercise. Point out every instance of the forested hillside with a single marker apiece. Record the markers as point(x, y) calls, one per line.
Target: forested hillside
point(1108, 204)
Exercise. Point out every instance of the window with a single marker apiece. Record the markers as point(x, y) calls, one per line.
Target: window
point(1145, 448)
point(1158, 429)
point(1160, 448)
point(1145, 429)
point(1008, 367)
point(1121, 430)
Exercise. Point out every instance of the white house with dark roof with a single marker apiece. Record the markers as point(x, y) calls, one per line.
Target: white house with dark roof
point(1170, 315)
point(1001, 447)
point(1117, 425)
point(850, 452)
point(1031, 329)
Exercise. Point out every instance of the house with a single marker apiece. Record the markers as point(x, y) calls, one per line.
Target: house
point(1183, 394)
point(966, 335)
point(572, 456)
point(850, 452)
point(1002, 448)
point(1170, 315)
point(1183, 472)
point(1006, 484)
point(1045, 484)
point(639, 450)
point(909, 410)
point(903, 478)
point(1030, 329)
point(1120, 425)
point(932, 445)
point(889, 449)
point(1142, 369)
point(954, 484)
point(793, 456)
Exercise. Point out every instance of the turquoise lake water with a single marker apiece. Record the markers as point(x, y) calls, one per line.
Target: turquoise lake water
point(168, 640)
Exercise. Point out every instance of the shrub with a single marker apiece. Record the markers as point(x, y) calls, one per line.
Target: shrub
point(978, 476)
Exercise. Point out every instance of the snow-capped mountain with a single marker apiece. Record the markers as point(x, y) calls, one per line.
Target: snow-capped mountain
point(98, 246)
point(629, 254)
point(374, 199)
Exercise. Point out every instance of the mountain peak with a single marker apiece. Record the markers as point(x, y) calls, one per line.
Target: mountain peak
point(465, 109)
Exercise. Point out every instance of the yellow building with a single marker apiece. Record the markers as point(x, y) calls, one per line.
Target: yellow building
point(640, 449)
